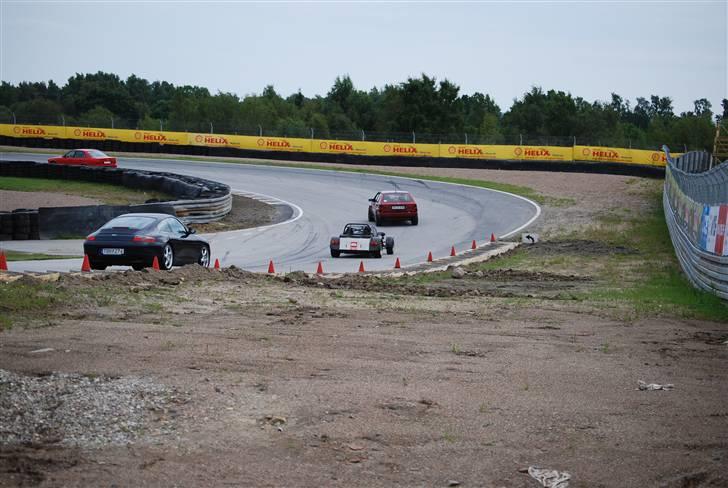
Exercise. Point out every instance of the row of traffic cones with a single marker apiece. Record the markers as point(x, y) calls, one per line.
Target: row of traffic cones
point(86, 266)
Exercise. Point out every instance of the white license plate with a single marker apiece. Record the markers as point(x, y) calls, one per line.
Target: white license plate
point(112, 251)
point(398, 207)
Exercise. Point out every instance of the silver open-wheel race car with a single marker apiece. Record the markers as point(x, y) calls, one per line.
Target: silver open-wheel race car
point(362, 239)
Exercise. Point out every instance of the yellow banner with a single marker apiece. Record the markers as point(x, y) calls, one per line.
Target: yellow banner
point(362, 148)
point(619, 155)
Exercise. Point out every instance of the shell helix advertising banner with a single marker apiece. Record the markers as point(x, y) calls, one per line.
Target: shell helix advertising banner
point(619, 155)
point(362, 148)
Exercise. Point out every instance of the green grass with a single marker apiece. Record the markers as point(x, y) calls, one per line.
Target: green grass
point(32, 256)
point(16, 299)
point(108, 194)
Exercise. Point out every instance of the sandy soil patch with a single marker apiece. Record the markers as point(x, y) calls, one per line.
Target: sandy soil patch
point(10, 200)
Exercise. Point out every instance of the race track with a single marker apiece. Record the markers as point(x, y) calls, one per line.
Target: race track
point(323, 202)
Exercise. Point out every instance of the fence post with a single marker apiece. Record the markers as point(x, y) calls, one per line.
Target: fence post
point(14, 120)
point(112, 122)
point(413, 137)
point(362, 135)
point(466, 138)
point(63, 120)
point(161, 125)
point(260, 131)
point(211, 131)
point(520, 137)
point(311, 132)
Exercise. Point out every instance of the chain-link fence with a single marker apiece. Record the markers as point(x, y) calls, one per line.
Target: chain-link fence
point(284, 129)
point(696, 211)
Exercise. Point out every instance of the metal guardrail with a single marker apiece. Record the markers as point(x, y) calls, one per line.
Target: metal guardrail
point(695, 202)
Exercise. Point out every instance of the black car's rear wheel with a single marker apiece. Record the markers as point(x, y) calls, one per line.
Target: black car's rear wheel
point(204, 259)
point(167, 260)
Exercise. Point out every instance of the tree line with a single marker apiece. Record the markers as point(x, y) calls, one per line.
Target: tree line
point(420, 109)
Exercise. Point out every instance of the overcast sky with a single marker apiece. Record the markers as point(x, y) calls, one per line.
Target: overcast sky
point(675, 49)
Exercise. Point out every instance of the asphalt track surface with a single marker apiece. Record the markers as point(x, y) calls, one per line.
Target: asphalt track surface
point(322, 201)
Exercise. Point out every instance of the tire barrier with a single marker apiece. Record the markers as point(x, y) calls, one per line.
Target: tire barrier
point(695, 201)
point(196, 200)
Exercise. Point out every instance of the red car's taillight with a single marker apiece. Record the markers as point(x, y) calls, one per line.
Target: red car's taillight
point(143, 239)
point(373, 243)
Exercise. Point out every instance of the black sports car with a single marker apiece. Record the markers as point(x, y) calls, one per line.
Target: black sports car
point(135, 239)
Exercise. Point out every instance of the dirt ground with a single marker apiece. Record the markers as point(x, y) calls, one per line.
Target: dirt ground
point(10, 200)
point(365, 381)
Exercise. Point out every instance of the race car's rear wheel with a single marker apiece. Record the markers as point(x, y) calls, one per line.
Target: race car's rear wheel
point(389, 244)
point(335, 254)
point(377, 254)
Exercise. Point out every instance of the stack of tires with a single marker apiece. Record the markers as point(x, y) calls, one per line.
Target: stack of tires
point(21, 224)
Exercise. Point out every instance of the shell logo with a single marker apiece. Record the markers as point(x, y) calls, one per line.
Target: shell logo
point(518, 151)
point(586, 151)
point(655, 157)
point(387, 148)
point(137, 135)
point(77, 132)
point(323, 145)
point(198, 138)
point(261, 142)
point(451, 150)
point(16, 130)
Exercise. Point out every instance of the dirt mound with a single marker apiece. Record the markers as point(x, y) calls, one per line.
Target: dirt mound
point(579, 247)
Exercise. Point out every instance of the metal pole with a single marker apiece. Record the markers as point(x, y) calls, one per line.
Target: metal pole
point(630, 143)
point(311, 132)
point(14, 120)
point(112, 122)
point(362, 135)
point(466, 138)
point(575, 140)
point(260, 131)
point(520, 136)
point(211, 128)
point(413, 137)
point(160, 125)
point(63, 119)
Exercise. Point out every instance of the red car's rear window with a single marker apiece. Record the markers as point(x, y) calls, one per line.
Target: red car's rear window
point(396, 197)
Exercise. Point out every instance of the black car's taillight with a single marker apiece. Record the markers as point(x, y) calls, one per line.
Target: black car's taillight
point(147, 239)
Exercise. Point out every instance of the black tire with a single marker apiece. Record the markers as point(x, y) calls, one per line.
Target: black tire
point(137, 267)
point(377, 219)
point(389, 244)
point(370, 217)
point(204, 258)
point(97, 266)
point(335, 253)
point(377, 254)
point(415, 220)
point(166, 258)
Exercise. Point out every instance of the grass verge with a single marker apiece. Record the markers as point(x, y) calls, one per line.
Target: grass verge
point(108, 194)
point(32, 256)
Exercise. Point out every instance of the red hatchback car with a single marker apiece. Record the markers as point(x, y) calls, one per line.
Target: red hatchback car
point(85, 157)
point(393, 205)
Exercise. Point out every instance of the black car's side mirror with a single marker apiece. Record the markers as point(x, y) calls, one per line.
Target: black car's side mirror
point(190, 232)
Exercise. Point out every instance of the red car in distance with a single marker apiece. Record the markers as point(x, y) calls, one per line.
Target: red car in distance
point(85, 157)
point(393, 205)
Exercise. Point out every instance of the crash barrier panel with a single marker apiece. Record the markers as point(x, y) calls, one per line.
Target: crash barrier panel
point(695, 202)
point(196, 200)
point(138, 139)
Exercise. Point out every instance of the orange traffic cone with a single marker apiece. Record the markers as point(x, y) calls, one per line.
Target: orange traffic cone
point(155, 263)
point(320, 269)
point(452, 251)
point(396, 264)
point(271, 268)
point(474, 245)
point(3, 262)
point(492, 237)
point(217, 263)
point(429, 257)
point(361, 266)
point(86, 266)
